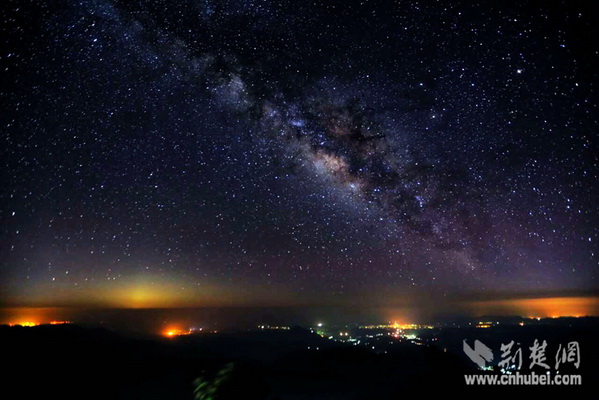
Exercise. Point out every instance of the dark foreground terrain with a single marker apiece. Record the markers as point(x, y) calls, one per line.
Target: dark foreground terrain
point(69, 361)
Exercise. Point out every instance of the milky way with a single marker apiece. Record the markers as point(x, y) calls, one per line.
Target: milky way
point(339, 141)
point(275, 152)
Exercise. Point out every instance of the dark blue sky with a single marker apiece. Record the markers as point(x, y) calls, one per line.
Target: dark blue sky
point(275, 152)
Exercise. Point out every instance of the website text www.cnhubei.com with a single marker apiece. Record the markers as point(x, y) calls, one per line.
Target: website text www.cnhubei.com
point(523, 379)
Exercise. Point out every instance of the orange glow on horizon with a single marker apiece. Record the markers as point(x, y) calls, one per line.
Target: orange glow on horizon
point(24, 323)
point(36, 315)
point(552, 307)
point(172, 332)
point(135, 291)
point(25, 316)
point(36, 323)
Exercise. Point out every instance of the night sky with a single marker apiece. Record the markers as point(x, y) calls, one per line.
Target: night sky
point(189, 153)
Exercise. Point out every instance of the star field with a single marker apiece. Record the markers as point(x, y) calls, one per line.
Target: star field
point(279, 152)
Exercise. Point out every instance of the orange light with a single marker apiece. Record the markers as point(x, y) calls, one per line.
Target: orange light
point(553, 307)
point(172, 332)
point(25, 323)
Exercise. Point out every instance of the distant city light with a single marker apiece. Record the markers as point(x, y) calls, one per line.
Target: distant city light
point(24, 323)
point(275, 327)
point(30, 323)
point(172, 332)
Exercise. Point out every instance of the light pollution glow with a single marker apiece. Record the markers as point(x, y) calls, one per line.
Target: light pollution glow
point(128, 292)
point(138, 291)
point(25, 316)
point(173, 332)
point(529, 308)
point(538, 307)
point(552, 307)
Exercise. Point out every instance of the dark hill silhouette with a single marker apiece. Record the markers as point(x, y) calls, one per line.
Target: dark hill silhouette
point(68, 361)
